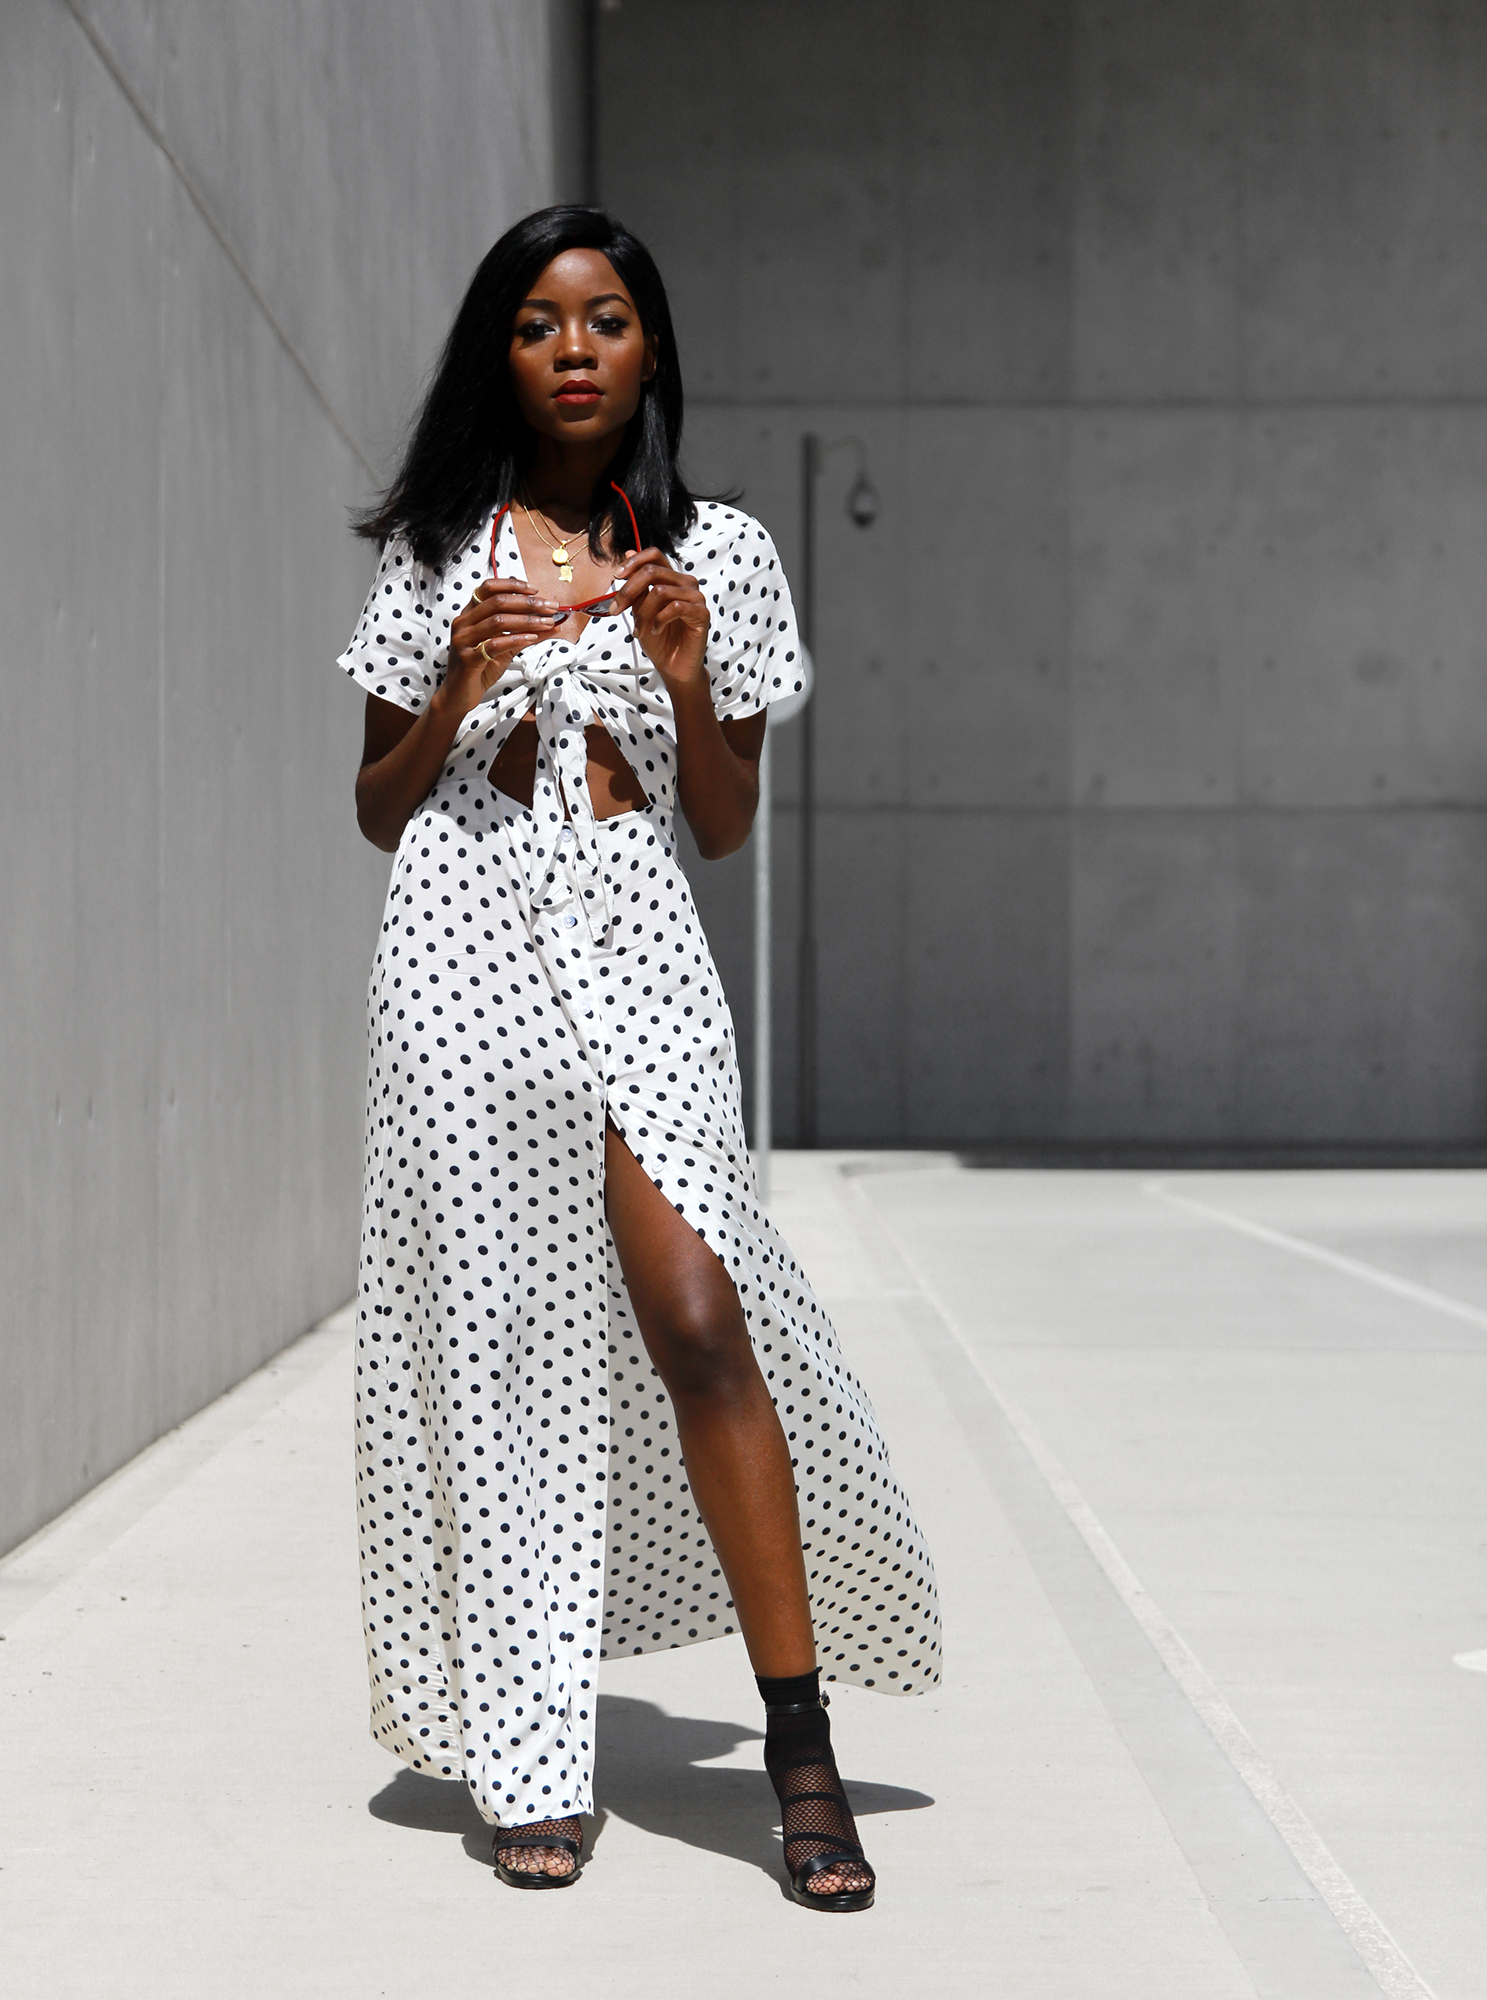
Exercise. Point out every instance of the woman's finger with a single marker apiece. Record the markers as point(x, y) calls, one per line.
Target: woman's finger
point(649, 603)
point(510, 614)
point(502, 616)
point(508, 640)
point(516, 621)
point(493, 599)
point(502, 599)
point(683, 603)
point(638, 573)
point(497, 650)
point(674, 613)
point(659, 571)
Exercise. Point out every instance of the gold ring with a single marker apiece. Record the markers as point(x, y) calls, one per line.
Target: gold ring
point(484, 654)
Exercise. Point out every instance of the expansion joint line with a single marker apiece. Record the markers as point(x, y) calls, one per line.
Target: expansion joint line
point(229, 250)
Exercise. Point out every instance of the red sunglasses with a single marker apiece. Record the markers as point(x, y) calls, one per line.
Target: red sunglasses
point(592, 607)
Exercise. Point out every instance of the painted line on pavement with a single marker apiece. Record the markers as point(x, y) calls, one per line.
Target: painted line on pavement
point(1370, 1938)
point(1334, 1260)
point(1349, 1267)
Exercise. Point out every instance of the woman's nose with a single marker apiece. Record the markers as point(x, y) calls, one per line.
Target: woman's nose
point(576, 348)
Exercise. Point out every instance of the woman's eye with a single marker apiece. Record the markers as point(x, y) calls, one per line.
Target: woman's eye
point(532, 329)
point(610, 323)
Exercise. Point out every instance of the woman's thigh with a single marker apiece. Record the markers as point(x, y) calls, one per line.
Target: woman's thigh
point(684, 1300)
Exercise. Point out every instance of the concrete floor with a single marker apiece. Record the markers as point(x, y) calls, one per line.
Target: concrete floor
point(1201, 1460)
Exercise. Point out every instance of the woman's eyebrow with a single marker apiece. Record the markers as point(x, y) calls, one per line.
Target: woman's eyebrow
point(551, 305)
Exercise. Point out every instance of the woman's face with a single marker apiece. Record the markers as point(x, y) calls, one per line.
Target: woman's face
point(579, 356)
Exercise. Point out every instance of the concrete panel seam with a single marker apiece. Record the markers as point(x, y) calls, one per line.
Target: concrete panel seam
point(102, 1515)
point(203, 208)
point(529, 144)
point(1386, 1961)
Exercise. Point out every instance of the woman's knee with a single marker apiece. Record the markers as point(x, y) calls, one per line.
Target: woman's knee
point(700, 1345)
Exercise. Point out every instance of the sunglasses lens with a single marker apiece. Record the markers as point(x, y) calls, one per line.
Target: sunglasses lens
point(600, 607)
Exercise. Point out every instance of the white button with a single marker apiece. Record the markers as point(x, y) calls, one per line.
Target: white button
point(569, 921)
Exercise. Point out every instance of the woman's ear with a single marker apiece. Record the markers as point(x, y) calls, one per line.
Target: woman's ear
point(648, 372)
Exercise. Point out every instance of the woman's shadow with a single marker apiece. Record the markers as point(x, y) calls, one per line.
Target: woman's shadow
point(653, 1770)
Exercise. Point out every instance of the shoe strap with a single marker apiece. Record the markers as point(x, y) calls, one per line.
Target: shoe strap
point(844, 1849)
point(564, 1841)
point(819, 1864)
point(797, 1707)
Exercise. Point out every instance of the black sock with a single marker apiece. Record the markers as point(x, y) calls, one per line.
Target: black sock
point(792, 1692)
point(816, 1818)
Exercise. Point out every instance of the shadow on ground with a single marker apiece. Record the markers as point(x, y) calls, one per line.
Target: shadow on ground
point(653, 1770)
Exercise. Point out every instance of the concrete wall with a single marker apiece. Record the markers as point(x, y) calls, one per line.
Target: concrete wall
point(191, 401)
point(1153, 741)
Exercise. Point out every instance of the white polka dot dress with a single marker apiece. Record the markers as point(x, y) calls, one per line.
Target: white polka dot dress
point(523, 1510)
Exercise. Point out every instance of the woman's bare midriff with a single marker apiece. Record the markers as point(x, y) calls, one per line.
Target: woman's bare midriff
point(613, 786)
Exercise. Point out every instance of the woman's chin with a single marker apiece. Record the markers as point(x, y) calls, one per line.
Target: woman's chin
point(588, 422)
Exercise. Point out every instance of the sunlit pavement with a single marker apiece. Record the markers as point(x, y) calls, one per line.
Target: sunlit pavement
point(1201, 1458)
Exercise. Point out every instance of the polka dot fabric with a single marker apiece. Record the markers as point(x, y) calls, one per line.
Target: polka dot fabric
point(523, 1509)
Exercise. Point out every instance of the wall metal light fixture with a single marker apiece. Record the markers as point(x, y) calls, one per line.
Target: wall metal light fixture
point(862, 501)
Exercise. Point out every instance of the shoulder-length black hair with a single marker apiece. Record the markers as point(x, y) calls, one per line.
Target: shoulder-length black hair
point(470, 444)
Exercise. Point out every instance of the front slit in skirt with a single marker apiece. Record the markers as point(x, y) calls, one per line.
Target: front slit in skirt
point(523, 1510)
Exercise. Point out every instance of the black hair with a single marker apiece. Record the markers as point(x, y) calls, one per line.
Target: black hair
point(470, 443)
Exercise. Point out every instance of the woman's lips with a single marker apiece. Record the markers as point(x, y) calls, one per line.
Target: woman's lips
point(578, 392)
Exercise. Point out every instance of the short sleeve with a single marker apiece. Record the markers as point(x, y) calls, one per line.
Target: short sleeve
point(753, 647)
point(401, 644)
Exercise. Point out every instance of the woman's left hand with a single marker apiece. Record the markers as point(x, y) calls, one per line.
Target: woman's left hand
point(670, 612)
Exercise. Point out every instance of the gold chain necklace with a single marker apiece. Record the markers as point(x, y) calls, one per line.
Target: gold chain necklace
point(558, 549)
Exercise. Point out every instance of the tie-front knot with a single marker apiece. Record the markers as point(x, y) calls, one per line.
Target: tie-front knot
point(564, 833)
point(537, 672)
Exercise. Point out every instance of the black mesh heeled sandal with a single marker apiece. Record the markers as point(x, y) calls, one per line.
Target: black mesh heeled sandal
point(541, 1833)
point(820, 1833)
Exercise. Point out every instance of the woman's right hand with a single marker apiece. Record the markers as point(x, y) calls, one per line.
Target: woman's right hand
point(504, 616)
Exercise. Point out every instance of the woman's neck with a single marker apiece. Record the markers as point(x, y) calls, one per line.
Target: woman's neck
point(561, 478)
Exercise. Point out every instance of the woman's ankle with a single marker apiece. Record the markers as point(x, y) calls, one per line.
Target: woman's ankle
point(790, 1690)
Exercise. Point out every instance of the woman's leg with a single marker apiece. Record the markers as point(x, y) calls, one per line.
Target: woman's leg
point(737, 1459)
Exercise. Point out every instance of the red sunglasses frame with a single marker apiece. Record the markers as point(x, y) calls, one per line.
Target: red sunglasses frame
point(589, 602)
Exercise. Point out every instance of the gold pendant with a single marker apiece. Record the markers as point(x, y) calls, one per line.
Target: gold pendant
point(566, 572)
point(560, 554)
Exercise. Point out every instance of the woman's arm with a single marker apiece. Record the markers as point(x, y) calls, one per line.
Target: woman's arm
point(717, 779)
point(402, 754)
point(717, 762)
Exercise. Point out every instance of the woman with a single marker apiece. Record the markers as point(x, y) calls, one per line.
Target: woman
point(599, 1411)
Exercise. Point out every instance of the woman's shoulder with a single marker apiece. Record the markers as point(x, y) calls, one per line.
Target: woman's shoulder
point(398, 569)
point(724, 538)
point(471, 552)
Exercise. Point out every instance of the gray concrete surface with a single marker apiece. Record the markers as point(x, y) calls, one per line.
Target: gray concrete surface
point(1199, 1456)
point(233, 240)
point(1152, 747)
